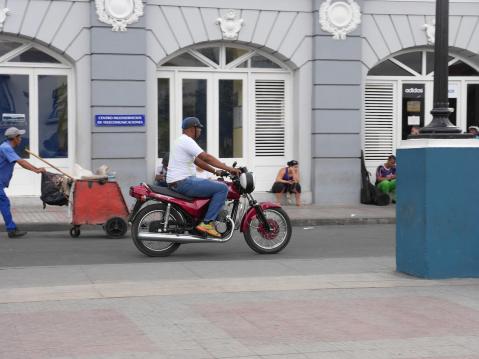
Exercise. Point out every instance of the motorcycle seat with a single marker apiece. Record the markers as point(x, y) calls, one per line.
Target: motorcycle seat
point(168, 192)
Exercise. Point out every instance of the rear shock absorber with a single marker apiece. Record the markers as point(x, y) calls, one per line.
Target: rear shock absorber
point(167, 219)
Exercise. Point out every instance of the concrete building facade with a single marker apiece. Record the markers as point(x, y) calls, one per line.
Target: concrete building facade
point(271, 87)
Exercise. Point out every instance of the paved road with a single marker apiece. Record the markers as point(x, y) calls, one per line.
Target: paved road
point(58, 248)
point(333, 293)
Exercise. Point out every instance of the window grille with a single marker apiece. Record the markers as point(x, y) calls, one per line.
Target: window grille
point(270, 117)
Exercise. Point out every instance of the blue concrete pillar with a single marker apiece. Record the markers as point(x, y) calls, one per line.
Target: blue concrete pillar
point(437, 231)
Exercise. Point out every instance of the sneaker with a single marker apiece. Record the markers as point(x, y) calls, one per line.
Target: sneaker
point(208, 228)
point(16, 233)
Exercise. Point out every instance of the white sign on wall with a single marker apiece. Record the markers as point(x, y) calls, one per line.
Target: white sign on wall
point(453, 91)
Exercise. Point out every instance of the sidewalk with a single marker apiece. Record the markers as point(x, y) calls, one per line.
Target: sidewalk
point(270, 308)
point(30, 215)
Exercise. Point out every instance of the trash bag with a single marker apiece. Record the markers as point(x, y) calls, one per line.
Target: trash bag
point(368, 191)
point(53, 192)
point(370, 194)
point(381, 198)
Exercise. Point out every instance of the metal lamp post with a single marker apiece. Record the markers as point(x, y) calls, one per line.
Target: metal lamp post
point(436, 217)
point(440, 126)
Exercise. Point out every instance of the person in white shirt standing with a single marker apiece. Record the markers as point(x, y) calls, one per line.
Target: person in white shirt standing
point(181, 176)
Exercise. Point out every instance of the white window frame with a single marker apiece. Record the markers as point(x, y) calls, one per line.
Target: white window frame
point(464, 92)
point(212, 121)
point(226, 71)
point(288, 138)
point(371, 165)
point(34, 107)
point(27, 182)
point(216, 123)
point(428, 80)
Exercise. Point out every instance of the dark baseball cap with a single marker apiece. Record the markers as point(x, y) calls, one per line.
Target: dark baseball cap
point(191, 122)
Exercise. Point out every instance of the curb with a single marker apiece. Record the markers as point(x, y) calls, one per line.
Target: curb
point(341, 221)
point(296, 222)
point(50, 227)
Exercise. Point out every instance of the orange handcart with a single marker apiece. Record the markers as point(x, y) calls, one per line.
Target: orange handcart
point(98, 202)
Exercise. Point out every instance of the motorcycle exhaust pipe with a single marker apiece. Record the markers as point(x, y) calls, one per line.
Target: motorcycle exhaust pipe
point(182, 238)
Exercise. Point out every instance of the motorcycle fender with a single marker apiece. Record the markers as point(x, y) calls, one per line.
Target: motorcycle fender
point(136, 208)
point(252, 213)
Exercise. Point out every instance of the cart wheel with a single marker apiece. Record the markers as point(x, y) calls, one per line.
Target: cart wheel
point(116, 227)
point(75, 232)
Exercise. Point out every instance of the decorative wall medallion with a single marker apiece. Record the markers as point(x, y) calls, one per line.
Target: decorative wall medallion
point(119, 13)
point(339, 18)
point(230, 25)
point(430, 32)
point(3, 16)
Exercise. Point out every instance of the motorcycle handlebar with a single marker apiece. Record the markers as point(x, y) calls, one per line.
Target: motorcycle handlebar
point(224, 173)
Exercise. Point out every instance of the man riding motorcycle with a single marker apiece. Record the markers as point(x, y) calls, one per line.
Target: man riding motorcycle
point(186, 153)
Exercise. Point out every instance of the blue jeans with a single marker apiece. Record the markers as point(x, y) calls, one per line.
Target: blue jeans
point(161, 183)
point(199, 187)
point(5, 209)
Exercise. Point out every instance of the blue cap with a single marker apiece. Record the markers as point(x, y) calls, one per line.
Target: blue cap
point(191, 122)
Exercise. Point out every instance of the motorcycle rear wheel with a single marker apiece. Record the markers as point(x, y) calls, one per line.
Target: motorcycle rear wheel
point(264, 242)
point(147, 218)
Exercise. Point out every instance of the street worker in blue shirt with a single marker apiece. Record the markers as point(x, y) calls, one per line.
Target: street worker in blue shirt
point(8, 158)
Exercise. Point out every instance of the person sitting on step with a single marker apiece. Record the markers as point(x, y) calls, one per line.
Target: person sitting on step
point(287, 182)
point(386, 177)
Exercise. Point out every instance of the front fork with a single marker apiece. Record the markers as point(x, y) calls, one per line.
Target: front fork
point(259, 212)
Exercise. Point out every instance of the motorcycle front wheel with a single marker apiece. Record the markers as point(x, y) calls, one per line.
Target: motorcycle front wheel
point(149, 220)
point(269, 242)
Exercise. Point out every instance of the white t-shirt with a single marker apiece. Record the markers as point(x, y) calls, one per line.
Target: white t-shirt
point(204, 174)
point(182, 158)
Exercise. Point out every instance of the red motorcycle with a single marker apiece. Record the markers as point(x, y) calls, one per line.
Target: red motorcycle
point(163, 219)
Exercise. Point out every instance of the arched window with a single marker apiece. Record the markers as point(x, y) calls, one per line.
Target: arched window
point(240, 94)
point(24, 68)
point(225, 58)
point(35, 95)
point(399, 95)
point(419, 63)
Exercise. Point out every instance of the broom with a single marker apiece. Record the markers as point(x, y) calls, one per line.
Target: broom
point(49, 164)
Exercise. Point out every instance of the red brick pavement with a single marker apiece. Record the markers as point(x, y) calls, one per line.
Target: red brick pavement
point(343, 320)
point(60, 333)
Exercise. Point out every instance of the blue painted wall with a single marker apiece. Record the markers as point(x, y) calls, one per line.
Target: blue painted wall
point(438, 212)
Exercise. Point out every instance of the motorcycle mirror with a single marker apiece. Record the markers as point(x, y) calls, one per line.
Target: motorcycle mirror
point(234, 164)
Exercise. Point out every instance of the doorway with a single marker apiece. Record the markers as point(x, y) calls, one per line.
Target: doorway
point(399, 94)
point(472, 104)
point(36, 95)
point(240, 95)
point(218, 101)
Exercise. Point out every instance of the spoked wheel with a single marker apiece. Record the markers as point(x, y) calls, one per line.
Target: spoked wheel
point(151, 220)
point(116, 227)
point(273, 241)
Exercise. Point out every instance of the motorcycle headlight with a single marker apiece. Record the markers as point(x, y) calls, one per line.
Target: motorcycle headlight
point(247, 182)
